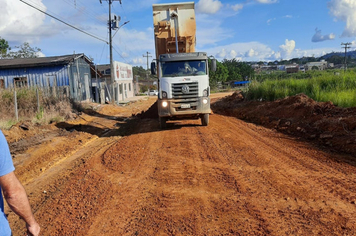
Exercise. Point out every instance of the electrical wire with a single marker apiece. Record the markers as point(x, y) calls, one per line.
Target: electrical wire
point(120, 55)
point(82, 8)
point(130, 42)
point(64, 22)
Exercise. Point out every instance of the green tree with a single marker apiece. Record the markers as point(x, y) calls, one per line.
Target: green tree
point(220, 75)
point(336, 59)
point(238, 70)
point(153, 87)
point(4, 48)
point(143, 88)
point(25, 51)
point(140, 71)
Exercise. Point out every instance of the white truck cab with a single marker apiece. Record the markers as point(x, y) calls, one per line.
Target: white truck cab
point(183, 74)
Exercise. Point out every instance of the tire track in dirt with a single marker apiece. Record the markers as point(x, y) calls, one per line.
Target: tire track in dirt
point(229, 178)
point(57, 168)
point(55, 193)
point(297, 176)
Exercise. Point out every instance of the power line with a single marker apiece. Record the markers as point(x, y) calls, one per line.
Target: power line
point(64, 22)
point(120, 55)
point(127, 36)
point(83, 8)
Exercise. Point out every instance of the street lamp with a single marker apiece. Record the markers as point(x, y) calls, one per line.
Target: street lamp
point(120, 27)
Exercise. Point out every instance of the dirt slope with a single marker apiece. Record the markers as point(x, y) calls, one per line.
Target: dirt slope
point(300, 116)
point(111, 174)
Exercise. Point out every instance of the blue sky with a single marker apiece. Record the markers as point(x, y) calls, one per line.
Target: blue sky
point(248, 30)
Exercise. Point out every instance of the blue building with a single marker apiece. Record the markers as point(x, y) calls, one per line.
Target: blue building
point(69, 71)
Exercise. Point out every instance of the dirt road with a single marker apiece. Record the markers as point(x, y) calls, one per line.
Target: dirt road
point(111, 174)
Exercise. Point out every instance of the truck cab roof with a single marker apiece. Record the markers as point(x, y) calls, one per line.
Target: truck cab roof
point(183, 56)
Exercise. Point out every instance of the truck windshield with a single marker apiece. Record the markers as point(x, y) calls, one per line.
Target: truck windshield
point(183, 68)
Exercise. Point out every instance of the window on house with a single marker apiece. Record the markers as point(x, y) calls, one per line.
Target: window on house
point(20, 82)
point(130, 87)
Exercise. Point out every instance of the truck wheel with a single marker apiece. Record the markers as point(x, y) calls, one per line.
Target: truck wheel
point(163, 122)
point(205, 119)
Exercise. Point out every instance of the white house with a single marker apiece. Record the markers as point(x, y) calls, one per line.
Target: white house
point(123, 80)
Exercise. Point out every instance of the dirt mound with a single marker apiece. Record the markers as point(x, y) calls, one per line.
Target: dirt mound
point(26, 130)
point(151, 113)
point(299, 116)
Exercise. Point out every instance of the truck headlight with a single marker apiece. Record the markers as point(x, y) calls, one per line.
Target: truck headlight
point(164, 94)
point(164, 104)
point(205, 101)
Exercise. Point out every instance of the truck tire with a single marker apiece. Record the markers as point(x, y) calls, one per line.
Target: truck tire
point(163, 122)
point(204, 120)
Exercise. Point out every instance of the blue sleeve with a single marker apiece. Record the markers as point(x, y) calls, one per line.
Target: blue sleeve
point(6, 165)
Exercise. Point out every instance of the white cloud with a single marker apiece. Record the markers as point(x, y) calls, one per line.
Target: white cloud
point(345, 10)
point(125, 54)
point(287, 48)
point(237, 7)
point(233, 54)
point(18, 20)
point(256, 51)
point(318, 37)
point(288, 16)
point(270, 20)
point(208, 6)
point(222, 53)
point(138, 61)
point(251, 51)
point(277, 55)
point(317, 52)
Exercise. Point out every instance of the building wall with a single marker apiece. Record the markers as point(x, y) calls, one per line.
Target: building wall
point(319, 65)
point(124, 89)
point(76, 75)
point(36, 76)
point(80, 80)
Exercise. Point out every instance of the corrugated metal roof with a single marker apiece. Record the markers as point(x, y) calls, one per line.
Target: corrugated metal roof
point(39, 61)
point(103, 67)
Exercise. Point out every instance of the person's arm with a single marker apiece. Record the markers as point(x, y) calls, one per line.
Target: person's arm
point(17, 200)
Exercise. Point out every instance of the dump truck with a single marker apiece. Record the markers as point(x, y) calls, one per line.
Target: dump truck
point(183, 74)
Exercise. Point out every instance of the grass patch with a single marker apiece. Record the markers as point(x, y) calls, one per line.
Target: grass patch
point(6, 124)
point(339, 88)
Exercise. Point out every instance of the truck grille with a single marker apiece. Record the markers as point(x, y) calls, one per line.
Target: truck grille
point(185, 96)
point(185, 90)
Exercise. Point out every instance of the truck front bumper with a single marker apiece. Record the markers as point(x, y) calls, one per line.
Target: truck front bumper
point(184, 107)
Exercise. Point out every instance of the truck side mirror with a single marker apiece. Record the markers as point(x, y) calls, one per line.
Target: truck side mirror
point(213, 65)
point(153, 68)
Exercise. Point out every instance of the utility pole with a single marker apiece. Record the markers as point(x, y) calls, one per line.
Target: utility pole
point(147, 58)
point(346, 46)
point(147, 72)
point(112, 25)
